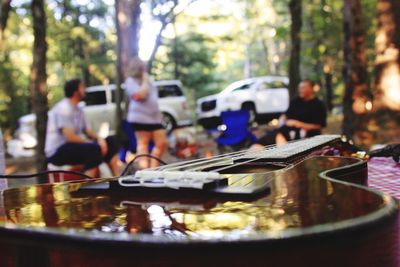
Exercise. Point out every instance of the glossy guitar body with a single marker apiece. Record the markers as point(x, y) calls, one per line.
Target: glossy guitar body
point(317, 212)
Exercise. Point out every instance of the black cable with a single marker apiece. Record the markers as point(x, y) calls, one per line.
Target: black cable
point(139, 156)
point(392, 150)
point(24, 176)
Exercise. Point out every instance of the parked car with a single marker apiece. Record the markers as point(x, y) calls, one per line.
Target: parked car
point(99, 105)
point(265, 97)
point(24, 140)
point(99, 108)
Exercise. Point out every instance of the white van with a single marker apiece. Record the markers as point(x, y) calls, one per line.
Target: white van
point(99, 106)
point(265, 97)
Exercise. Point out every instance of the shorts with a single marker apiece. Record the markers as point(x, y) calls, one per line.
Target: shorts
point(87, 154)
point(146, 127)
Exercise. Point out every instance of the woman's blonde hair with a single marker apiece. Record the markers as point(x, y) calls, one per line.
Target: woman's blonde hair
point(135, 68)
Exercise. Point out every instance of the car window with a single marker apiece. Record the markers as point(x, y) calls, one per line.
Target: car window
point(95, 98)
point(273, 84)
point(242, 87)
point(169, 90)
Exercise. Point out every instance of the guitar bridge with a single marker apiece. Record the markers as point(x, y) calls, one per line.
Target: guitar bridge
point(174, 179)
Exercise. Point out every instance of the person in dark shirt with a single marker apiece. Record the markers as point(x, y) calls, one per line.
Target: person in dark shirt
point(305, 117)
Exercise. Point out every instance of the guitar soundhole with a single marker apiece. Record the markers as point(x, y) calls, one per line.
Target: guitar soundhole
point(247, 168)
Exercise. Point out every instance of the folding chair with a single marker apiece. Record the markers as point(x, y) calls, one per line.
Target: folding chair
point(236, 133)
point(131, 143)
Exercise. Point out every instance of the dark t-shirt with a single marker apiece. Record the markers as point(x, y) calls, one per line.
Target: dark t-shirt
point(311, 111)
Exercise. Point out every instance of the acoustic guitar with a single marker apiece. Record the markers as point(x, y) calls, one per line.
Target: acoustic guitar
point(303, 204)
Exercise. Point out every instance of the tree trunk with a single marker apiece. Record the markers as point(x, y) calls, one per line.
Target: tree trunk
point(175, 51)
point(127, 23)
point(157, 44)
point(128, 14)
point(295, 34)
point(84, 58)
point(165, 19)
point(327, 62)
point(5, 7)
point(267, 63)
point(38, 79)
point(386, 92)
point(328, 89)
point(354, 72)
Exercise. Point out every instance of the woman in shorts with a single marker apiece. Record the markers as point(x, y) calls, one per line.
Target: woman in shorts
point(144, 114)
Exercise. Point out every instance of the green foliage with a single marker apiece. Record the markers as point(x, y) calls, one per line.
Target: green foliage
point(80, 44)
point(14, 100)
point(322, 43)
point(370, 26)
point(322, 38)
point(189, 58)
point(15, 58)
point(83, 50)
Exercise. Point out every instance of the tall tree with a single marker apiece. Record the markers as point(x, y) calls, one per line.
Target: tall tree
point(355, 69)
point(165, 11)
point(317, 55)
point(5, 7)
point(387, 82)
point(295, 36)
point(81, 47)
point(128, 25)
point(386, 92)
point(14, 73)
point(38, 79)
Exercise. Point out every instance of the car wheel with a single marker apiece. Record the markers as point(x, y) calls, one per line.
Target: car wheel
point(168, 122)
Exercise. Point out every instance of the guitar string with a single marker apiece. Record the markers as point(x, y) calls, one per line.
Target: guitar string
point(238, 177)
point(218, 158)
point(268, 147)
point(271, 147)
point(176, 165)
point(223, 156)
point(239, 154)
point(243, 163)
point(197, 162)
point(241, 177)
point(283, 164)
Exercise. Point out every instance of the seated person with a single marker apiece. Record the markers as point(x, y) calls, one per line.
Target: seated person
point(69, 140)
point(305, 117)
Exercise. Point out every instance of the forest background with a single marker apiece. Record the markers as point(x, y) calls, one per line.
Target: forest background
point(349, 47)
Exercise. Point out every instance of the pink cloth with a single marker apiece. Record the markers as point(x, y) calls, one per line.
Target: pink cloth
point(384, 175)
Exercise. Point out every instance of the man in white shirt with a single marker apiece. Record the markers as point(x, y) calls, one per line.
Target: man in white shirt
point(70, 141)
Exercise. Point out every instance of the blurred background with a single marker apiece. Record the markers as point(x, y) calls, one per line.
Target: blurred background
point(349, 48)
